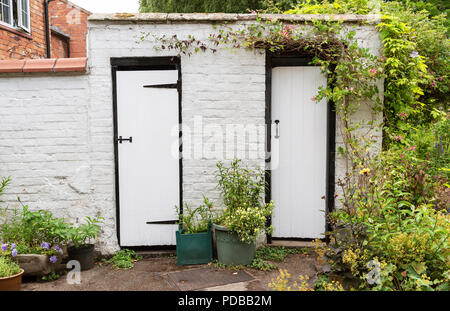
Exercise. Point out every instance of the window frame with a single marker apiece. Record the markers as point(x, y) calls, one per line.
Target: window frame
point(20, 25)
point(20, 21)
point(11, 16)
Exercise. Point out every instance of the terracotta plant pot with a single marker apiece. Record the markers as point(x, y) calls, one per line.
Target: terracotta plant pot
point(11, 283)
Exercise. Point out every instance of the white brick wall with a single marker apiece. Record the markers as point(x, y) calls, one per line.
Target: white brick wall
point(56, 140)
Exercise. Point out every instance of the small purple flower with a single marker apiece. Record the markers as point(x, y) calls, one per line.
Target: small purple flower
point(14, 253)
point(13, 245)
point(53, 259)
point(45, 245)
point(5, 247)
point(414, 54)
point(58, 249)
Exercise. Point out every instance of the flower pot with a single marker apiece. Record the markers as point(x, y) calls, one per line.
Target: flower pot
point(83, 254)
point(231, 250)
point(194, 249)
point(38, 265)
point(11, 283)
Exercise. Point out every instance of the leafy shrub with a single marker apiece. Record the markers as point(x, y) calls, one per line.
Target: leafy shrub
point(29, 229)
point(283, 282)
point(383, 226)
point(194, 220)
point(83, 234)
point(241, 187)
point(123, 259)
point(242, 190)
point(248, 222)
point(8, 267)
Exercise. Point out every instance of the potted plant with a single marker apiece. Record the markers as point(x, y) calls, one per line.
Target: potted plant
point(10, 271)
point(82, 249)
point(245, 215)
point(194, 238)
point(36, 237)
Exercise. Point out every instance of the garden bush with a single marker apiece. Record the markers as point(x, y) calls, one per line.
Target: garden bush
point(195, 220)
point(242, 190)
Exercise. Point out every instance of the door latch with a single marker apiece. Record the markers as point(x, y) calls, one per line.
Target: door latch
point(120, 139)
point(277, 129)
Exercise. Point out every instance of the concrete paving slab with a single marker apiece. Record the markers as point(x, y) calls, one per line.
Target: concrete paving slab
point(195, 279)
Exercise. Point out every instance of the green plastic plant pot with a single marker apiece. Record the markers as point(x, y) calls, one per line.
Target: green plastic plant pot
point(194, 249)
point(231, 250)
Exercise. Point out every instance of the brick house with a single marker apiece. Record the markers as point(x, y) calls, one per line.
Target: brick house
point(42, 29)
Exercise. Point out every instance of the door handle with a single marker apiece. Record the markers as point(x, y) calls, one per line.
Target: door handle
point(120, 139)
point(277, 128)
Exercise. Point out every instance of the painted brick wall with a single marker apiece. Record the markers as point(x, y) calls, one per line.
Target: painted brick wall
point(72, 20)
point(18, 45)
point(57, 131)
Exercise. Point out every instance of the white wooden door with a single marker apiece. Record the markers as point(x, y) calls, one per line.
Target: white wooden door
point(148, 168)
point(298, 178)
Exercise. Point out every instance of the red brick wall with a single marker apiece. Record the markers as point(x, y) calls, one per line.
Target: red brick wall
point(73, 21)
point(59, 47)
point(17, 45)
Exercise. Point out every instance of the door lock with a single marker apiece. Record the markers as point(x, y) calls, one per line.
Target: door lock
point(120, 139)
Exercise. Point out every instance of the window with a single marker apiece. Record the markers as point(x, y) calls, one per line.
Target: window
point(15, 13)
point(6, 11)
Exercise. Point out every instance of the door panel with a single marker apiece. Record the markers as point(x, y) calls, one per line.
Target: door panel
point(148, 169)
point(298, 175)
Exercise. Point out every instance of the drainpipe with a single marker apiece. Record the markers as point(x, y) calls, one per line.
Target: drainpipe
point(47, 27)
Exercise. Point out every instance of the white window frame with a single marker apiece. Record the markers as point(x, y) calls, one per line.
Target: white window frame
point(20, 20)
point(11, 16)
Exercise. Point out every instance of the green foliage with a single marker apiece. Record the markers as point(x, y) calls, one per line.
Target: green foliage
point(241, 187)
point(28, 229)
point(388, 218)
point(275, 253)
point(335, 7)
point(261, 264)
point(52, 276)
point(242, 190)
point(416, 55)
point(83, 234)
point(8, 267)
point(123, 259)
point(194, 220)
point(199, 6)
point(270, 253)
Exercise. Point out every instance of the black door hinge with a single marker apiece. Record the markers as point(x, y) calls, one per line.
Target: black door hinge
point(166, 86)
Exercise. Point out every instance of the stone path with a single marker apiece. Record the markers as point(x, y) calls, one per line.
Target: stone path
point(163, 274)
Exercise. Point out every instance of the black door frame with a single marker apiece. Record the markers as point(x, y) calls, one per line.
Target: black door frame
point(277, 60)
point(135, 64)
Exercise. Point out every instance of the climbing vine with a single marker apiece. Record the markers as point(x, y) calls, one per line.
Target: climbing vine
point(352, 70)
